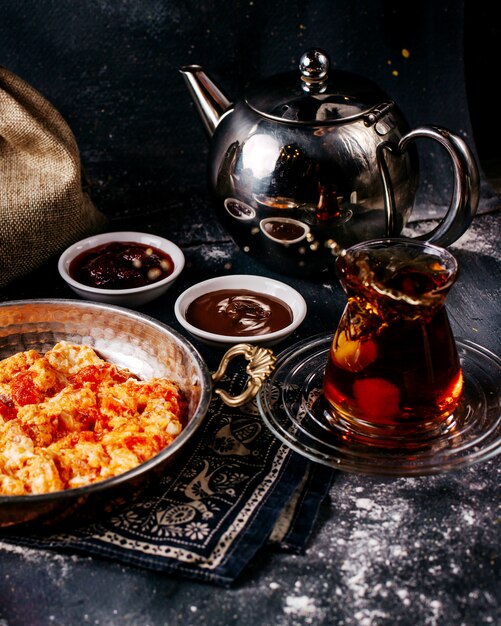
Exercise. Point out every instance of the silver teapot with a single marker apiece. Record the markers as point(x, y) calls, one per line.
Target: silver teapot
point(313, 161)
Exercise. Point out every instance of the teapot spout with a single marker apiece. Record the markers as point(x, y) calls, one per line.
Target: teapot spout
point(211, 103)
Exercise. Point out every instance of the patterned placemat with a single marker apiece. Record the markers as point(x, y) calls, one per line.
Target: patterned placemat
point(237, 489)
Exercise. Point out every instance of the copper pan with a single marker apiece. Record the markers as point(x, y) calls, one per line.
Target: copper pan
point(146, 347)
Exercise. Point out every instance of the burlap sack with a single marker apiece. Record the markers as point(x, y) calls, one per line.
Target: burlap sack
point(43, 206)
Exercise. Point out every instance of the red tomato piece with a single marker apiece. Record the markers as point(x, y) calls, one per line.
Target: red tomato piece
point(8, 409)
point(24, 390)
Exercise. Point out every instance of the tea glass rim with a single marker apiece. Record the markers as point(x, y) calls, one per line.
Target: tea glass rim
point(452, 265)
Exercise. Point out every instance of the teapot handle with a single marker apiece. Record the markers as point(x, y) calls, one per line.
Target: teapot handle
point(466, 190)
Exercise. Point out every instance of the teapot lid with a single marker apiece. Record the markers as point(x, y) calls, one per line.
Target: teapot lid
point(316, 96)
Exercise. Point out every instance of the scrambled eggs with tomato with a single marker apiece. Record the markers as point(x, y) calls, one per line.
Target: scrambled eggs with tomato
point(68, 418)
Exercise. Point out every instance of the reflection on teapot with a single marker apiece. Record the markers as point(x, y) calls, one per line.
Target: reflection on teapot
point(326, 149)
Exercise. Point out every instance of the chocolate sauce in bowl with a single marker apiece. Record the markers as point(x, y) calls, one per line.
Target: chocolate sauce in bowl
point(238, 312)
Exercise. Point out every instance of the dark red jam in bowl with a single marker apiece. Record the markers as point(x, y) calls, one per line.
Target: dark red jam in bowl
point(238, 312)
point(121, 265)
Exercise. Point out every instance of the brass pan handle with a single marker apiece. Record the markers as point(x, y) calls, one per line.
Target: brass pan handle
point(261, 365)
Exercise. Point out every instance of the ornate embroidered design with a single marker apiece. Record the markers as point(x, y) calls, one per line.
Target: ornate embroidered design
point(251, 407)
point(237, 435)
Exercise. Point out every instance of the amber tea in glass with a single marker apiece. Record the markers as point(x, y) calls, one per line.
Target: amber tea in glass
point(393, 366)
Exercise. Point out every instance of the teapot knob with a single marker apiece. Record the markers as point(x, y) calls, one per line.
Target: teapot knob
point(314, 67)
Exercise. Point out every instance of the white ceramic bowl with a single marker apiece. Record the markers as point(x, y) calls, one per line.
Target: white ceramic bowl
point(258, 284)
point(122, 297)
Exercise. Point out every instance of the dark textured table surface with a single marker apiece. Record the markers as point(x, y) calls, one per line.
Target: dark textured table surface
point(386, 551)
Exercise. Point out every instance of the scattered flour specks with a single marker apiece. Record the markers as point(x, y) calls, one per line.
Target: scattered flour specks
point(299, 605)
point(302, 610)
point(364, 503)
point(57, 566)
point(399, 545)
point(481, 241)
point(468, 517)
point(481, 237)
point(213, 253)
